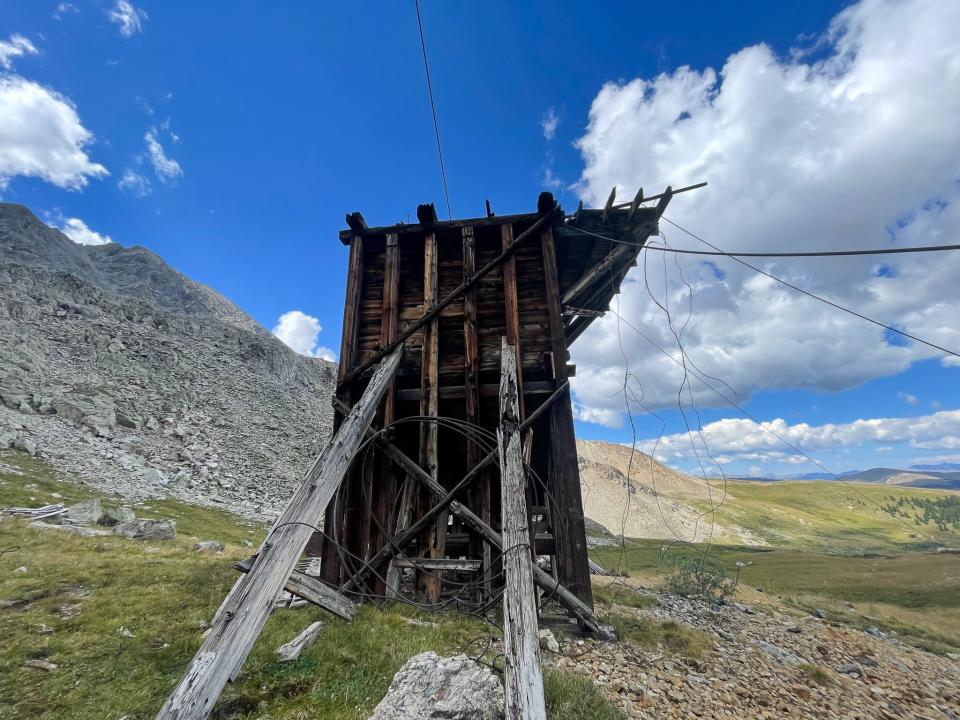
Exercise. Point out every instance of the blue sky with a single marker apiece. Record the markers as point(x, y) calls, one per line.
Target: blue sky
point(245, 134)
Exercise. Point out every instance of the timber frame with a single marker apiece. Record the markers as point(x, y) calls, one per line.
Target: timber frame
point(461, 325)
point(423, 497)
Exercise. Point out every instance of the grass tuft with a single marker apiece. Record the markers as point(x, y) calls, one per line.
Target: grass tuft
point(618, 594)
point(817, 674)
point(666, 635)
point(570, 696)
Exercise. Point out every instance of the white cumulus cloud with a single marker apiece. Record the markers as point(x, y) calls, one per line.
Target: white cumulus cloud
point(853, 147)
point(549, 122)
point(77, 230)
point(737, 439)
point(16, 46)
point(64, 9)
point(301, 332)
point(135, 183)
point(167, 168)
point(41, 136)
point(128, 18)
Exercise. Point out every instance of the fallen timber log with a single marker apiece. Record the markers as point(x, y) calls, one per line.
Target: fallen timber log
point(553, 589)
point(288, 652)
point(244, 611)
point(312, 590)
point(523, 678)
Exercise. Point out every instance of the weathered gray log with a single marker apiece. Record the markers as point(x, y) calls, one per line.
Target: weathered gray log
point(523, 678)
point(311, 590)
point(288, 652)
point(621, 251)
point(247, 606)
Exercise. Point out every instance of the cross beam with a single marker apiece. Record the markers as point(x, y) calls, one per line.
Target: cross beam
point(396, 544)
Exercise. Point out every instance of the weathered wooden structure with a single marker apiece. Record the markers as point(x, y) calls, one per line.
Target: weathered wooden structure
point(454, 352)
point(448, 291)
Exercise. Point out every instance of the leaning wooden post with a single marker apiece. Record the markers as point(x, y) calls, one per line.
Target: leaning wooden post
point(247, 606)
point(523, 677)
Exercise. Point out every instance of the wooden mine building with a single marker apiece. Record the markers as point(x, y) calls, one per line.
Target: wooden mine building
point(448, 291)
point(454, 357)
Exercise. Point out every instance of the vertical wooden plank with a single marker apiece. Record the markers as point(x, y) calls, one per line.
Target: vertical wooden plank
point(471, 361)
point(512, 308)
point(523, 678)
point(435, 542)
point(479, 495)
point(380, 478)
point(330, 560)
point(569, 533)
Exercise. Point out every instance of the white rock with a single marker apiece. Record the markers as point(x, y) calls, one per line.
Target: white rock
point(548, 641)
point(429, 686)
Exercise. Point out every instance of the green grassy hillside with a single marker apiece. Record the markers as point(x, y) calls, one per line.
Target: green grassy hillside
point(77, 593)
point(829, 515)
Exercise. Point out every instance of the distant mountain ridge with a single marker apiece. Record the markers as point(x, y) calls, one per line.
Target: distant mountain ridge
point(943, 476)
point(938, 467)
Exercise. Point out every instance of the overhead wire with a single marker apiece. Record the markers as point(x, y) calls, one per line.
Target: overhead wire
point(685, 383)
point(791, 254)
point(813, 295)
point(812, 253)
point(433, 110)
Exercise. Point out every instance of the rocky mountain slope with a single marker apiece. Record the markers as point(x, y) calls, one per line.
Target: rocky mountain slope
point(115, 366)
point(630, 493)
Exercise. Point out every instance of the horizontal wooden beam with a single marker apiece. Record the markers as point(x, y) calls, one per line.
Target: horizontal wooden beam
point(453, 392)
point(490, 221)
point(439, 564)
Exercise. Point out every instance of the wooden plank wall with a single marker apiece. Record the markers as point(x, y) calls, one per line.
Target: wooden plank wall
point(452, 368)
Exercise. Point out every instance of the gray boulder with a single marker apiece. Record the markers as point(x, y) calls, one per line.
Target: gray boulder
point(209, 546)
point(93, 410)
point(152, 476)
point(784, 656)
point(116, 516)
point(25, 444)
point(454, 688)
point(548, 641)
point(148, 529)
point(85, 513)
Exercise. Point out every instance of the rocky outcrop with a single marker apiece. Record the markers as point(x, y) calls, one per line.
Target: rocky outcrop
point(454, 688)
point(142, 529)
point(117, 368)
